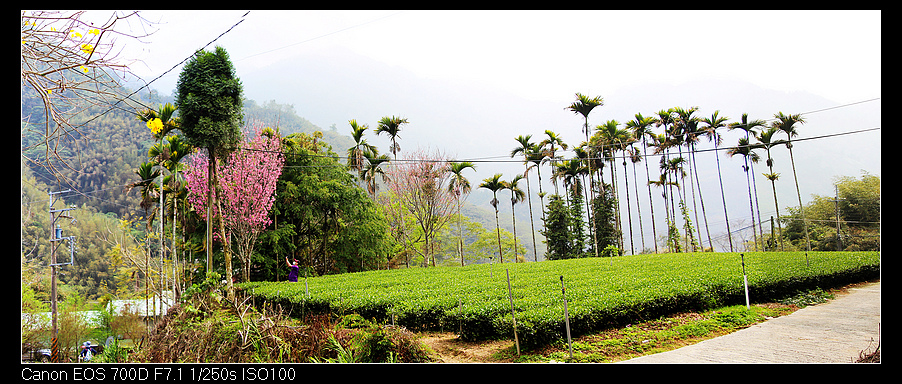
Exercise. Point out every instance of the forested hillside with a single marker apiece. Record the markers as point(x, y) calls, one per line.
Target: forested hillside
point(106, 152)
point(105, 155)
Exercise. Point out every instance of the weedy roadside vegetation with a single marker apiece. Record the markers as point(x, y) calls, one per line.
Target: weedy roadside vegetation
point(206, 328)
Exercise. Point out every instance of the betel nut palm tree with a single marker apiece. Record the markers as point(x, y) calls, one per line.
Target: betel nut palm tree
point(583, 106)
point(570, 172)
point(550, 145)
point(161, 122)
point(641, 129)
point(517, 196)
point(392, 127)
point(767, 141)
point(613, 139)
point(749, 156)
point(372, 167)
point(495, 184)
point(712, 124)
point(526, 148)
point(786, 124)
point(357, 154)
point(459, 185)
point(689, 129)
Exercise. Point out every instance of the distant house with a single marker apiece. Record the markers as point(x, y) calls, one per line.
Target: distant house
point(150, 310)
point(157, 308)
point(44, 319)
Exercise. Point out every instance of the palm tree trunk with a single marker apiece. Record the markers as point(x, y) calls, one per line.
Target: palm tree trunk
point(801, 207)
point(702, 201)
point(751, 206)
point(591, 191)
point(681, 192)
point(667, 192)
point(226, 249)
point(779, 228)
point(532, 226)
point(498, 233)
point(514, 222)
point(460, 234)
point(629, 212)
point(541, 194)
point(692, 170)
point(173, 254)
point(667, 173)
point(723, 198)
point(638, 209)
point(211, 169)
point(651, 203)
point(773, 185)
point(757, 205)
point(616, 200)
point(591, 224)
point(162, 217)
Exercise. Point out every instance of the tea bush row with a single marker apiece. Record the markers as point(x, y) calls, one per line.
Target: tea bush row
point(601, 292)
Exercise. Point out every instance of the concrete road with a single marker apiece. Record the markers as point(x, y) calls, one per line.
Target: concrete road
point(833, 332)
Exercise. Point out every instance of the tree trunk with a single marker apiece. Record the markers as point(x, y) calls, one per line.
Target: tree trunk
point(799, 194)
point(701, 200)
point(460, 234)
point(226, 249)
point(651, 203)
point(532, 226)
point(498, 233)
point(209, 245)
point(514, 222)
point(723, 198)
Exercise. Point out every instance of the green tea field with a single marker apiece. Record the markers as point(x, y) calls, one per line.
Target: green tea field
point(478, 301)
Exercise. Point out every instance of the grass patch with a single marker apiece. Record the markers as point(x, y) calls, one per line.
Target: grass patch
point(659, 335)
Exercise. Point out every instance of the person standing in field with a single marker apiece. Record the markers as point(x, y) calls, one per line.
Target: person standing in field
point(293, 275)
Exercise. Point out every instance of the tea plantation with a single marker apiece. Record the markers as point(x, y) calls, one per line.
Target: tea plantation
point(600, 292)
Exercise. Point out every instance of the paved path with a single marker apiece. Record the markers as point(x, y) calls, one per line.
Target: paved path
point(832, 332)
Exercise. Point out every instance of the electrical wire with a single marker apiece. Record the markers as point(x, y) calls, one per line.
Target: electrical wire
point(486, 159)
point(724, 148)
point(129, 96)
point(321, 36)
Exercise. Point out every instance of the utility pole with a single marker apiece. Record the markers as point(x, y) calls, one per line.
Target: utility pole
point(56, 235)
point(836, 208)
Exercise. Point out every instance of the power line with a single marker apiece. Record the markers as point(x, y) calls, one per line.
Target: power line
point(520, 161)
point(167, 71)
point(321, 36)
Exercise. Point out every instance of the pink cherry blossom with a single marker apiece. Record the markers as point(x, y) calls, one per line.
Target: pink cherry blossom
point(247, 182)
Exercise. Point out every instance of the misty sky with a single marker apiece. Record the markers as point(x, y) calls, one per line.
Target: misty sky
point(525, 56)
point(548, 54)
point(470, 81)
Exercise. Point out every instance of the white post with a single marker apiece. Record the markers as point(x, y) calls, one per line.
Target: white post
point(745, 282)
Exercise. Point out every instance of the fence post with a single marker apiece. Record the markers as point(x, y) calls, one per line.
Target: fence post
point(566, 317)
point(511, 298)
point(460, 323)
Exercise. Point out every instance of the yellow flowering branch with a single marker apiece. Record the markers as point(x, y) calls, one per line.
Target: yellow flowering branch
point(155, 125)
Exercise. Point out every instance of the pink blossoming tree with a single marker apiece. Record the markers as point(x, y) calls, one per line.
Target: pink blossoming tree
point(247, 185)
point(419, 187)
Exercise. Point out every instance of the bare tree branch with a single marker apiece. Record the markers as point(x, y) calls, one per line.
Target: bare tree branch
point(72, 65)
